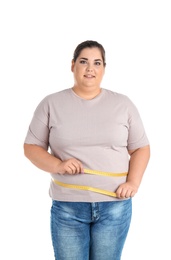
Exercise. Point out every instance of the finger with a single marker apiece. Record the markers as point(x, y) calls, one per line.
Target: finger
point(132, 194)
point(118, 193)
point(78, 166)
point(69, 169)
point(122, 193)
point(74, 168)
point(128, 194)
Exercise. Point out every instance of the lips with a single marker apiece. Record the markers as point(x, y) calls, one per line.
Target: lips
point(89, 76)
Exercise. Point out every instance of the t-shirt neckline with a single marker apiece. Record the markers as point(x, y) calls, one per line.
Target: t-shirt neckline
point(96, 97)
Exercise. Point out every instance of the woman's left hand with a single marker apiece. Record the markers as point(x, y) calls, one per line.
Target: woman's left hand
point(126, 190)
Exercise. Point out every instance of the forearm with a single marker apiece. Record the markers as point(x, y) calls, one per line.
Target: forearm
point(41, 158)
point(138, 163)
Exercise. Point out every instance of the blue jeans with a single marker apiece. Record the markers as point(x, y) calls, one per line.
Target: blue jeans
point(90, 231)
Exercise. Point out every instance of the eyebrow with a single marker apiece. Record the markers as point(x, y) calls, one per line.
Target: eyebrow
point(87, 59)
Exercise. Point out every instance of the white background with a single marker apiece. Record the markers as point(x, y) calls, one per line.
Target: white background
point(37, 40)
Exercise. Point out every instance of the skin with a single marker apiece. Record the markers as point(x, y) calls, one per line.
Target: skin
point(88, 71)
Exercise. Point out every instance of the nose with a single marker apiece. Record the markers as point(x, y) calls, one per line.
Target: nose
point(89, 67)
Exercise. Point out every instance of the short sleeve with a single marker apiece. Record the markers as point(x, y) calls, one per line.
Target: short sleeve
point(38, 132)
point(137, 137)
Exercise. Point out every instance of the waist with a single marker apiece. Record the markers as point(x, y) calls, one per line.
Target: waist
point(92, 180)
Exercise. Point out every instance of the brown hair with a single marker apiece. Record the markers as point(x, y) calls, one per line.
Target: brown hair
point(89, 44)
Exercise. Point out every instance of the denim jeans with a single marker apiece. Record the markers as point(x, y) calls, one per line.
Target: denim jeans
point(90, 231)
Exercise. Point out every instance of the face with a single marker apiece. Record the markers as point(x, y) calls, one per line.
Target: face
point(88, 69)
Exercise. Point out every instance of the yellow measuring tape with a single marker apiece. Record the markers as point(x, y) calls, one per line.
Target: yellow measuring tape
point(81, 187)
point(105, 173)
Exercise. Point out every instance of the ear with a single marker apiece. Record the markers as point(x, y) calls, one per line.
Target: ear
point(72, 65)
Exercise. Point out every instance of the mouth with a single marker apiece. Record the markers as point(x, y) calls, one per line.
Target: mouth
point(89, 76)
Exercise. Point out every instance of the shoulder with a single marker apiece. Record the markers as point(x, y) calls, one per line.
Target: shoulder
point(53, 99)
point(117, 96)
point(56, 97)
point(121, 102)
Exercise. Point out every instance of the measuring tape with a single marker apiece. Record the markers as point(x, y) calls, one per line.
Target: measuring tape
point(109, 174)
point(81, 187)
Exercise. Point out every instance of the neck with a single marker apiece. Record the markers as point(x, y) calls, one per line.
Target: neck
point(86, 93)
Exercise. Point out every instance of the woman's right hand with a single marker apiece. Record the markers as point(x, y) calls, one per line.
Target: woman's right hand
point(49, 163)
point(71, 166)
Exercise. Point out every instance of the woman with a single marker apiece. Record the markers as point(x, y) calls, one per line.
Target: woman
point(93, 143)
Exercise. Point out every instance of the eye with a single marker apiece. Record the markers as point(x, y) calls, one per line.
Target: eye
point(97, 63)
point(83, 61)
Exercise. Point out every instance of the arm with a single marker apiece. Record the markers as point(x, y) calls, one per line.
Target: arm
point(138, 162)
point(49, 163)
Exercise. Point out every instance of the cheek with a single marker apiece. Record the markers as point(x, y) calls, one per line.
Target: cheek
point(100, 71)
point(79, 72)
point(101, 74)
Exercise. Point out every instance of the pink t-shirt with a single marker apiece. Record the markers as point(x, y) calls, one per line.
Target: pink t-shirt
point(98, 132)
